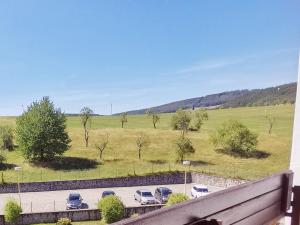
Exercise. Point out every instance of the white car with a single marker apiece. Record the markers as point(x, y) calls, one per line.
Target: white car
point(199, 190)
point(144, 197)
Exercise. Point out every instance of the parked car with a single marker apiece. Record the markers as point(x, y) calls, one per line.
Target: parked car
point(74, 201)
point(162, 194)
point(199, 190)
point(107, 193)
point(144, 197)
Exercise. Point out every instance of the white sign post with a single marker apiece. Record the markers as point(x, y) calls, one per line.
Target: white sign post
point(295, 154)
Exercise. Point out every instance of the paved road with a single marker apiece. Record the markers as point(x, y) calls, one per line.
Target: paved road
point(44, 201)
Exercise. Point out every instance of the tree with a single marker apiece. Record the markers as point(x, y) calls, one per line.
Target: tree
point(181, 120)
point(271, 121)
point(86, 119)
point(155, 117)
point(123, 119)
point(12, 211)
point(198, 117)
point(41, 131)
point(234, 137)
point(103, 144)
point(142, 142)
point(6, 138)
point(112, 209)
point(184, 147)
point(176, 198)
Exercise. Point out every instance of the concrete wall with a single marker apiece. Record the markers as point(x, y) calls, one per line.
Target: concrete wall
point(214, 180)
point(161, 179)
point(75, 215)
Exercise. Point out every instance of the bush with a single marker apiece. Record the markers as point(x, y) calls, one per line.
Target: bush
point(2, 158)
point(112, 209)
point(234, 137)
point(64, 221)
point(12, 211)
point(176, 198)
point(6, 138)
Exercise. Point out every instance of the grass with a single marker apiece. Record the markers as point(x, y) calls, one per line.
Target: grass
point(121, 159)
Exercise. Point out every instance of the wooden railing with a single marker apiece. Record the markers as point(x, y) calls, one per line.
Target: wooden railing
point(254, 203)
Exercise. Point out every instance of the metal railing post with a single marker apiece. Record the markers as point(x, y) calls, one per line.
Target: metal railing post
point(296, 206)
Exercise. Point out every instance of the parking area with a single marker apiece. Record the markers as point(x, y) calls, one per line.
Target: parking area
point(56, 200)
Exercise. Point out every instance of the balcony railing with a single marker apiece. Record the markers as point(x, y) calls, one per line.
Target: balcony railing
point(254, 203)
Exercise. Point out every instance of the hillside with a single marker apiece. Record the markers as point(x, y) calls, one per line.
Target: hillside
point(257, 97)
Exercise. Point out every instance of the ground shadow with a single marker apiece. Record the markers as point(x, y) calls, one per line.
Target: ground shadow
point(201, 163)
point(68, 163)
point(84, 206)
point(157, 161)
point(7, 166)
point(113, 160)
point(256, 154)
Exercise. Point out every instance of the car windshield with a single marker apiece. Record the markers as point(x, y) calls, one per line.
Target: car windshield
point(108, 193)
point(74, 197)
point(147, 194)
point(201, 189)
point(166, 191)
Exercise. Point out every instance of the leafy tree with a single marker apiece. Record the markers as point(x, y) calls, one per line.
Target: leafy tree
point(112, 209)
point(155, 117)
point(234, 137)
point(176, 198)
point(12, 211)
point(123, 119)
point(86, 119)
point(2, 157)
point(103, 144)
point(198, 117)
point(184, 147)
point(6, 138)
point(271, 121)
point(142, 142)
point(181, 120)
point(41, 131)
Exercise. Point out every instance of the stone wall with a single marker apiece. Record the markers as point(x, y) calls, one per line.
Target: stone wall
point(214, 180)
point(75, 215)
point(160, 179)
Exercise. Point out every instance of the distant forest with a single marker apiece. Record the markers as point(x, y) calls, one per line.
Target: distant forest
point(282, 94)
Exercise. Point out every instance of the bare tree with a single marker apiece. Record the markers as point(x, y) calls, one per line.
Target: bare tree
point(123, 119)
point(155, 116)
point(86, 119)
point(103, 144)
point(142, 142)
point(271, 121)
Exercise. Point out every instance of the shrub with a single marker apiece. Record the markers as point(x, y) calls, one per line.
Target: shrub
point(2, 158)
point(6, 138)
point(234, 137)
point(176, 198)
point(12, 211)
point(64, 221)
point(112, 209)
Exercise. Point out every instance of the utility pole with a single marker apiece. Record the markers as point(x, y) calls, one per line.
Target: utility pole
point(111, 109)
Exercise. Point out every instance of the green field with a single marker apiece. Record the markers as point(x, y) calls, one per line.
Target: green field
point(121, 159)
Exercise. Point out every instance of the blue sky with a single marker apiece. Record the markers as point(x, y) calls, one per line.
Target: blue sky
point(137, 54)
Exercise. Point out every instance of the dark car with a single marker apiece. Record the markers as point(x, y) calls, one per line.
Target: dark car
point(107, 193)
point(74, 201)
point(162, 194)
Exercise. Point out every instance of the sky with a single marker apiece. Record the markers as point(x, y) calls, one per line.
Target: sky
point(140, 53)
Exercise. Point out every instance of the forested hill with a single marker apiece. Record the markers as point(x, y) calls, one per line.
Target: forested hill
point(257, 97)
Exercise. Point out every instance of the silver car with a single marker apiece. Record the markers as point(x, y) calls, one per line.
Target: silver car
point(144, 197)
